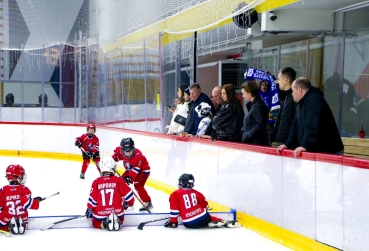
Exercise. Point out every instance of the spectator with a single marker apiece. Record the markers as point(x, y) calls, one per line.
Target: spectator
point(217, 98)
point(314, 128)
point(191, 109)
point(181, 110)
point(227, 122)
point(204, 112)
point(254, 130)
point(198, 97)
point(267, 96)
point(282, 127)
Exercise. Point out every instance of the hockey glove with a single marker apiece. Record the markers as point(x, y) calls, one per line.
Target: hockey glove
point(171, 224)
point(89, 213)
point(90, 154)
point(128, 180)
point(79, 144)
point(38, 198)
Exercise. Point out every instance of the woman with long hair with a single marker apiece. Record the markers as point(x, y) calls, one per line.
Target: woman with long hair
point(181, 110)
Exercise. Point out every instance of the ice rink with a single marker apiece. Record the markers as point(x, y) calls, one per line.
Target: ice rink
point(47, 176)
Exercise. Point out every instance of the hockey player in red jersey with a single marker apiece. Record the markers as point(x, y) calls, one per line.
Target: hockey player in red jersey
point(108, 196)
point(15, 200)
point(192, 206)
point(89, 145)
point(137, 169)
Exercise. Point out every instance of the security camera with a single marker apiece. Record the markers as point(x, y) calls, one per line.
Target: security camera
point(272, 16)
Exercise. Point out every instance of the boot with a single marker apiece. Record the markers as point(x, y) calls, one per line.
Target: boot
point(214, 224)
point(148, 206)
point(21, 226)
point(13, 227)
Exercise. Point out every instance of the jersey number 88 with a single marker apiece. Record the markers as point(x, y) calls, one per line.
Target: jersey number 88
point(189, 202)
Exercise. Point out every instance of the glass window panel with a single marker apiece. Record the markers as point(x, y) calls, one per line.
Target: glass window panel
point(294, 55)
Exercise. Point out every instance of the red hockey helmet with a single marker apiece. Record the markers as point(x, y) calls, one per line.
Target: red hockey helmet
point(16, 173)
point(91, 126)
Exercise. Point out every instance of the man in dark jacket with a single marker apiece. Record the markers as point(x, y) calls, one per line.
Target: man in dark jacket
point(198, 97)
point(282, 127)
point(314, 128)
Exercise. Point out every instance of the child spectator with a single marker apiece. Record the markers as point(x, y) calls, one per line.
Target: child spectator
point(204, 112)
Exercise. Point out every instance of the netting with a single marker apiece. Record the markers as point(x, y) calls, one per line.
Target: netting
point(170, 17)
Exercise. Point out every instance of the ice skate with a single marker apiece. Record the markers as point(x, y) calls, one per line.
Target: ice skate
point(232, 224)
point(217, 224)
point(116, 222)
point(82, 176)
point(148, 206)
point(128, 208)
point(21, 226)
point(111, 222)
point(13, 227)
point(108, 223)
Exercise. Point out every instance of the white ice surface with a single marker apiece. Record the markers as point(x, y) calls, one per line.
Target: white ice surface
point(46, 176)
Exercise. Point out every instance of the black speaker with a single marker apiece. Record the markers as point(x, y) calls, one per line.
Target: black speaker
point(9, 99)
point(247, 19)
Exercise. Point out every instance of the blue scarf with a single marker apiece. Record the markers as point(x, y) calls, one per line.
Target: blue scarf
point(270, 97)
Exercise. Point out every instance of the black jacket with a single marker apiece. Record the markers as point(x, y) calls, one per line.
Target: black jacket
point(314, 127)
point(227, 124)
point(189, 121)
point(285, 118)
point(254, 130)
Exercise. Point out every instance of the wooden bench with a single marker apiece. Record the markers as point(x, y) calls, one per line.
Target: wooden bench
point(356, 147)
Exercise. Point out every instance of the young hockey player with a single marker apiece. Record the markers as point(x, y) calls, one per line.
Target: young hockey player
point(89, 145)
point(192, 206)
point(137, 169)
point(15, 200)
point(107, 196)
point(204, 112)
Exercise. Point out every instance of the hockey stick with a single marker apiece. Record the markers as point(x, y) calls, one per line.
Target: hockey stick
point(97, 164)
point(141, 202)
point(52, 224)
point(136, 196)
point(7, 234)
point(142, 224)
point(54, 194)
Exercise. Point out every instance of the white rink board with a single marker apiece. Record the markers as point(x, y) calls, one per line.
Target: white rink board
point(296, 194)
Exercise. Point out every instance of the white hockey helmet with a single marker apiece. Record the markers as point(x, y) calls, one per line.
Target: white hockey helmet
point(107, 164)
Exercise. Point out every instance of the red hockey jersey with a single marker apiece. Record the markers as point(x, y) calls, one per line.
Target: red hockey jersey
point(15, 200)
point(134, 165)
point(89, 144)
point(107, 195)
point(188, 203)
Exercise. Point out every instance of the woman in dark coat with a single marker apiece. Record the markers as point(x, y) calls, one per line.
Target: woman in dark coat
point(254, 130)
point(227, 122)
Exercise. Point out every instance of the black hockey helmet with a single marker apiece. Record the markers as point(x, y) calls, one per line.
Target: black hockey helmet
point(127, 145)
point(186, 180)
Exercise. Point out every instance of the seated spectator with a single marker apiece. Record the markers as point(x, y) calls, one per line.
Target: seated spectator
point(204, 112)
point(254, 130)
point(181, 110)
point(227, 122)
